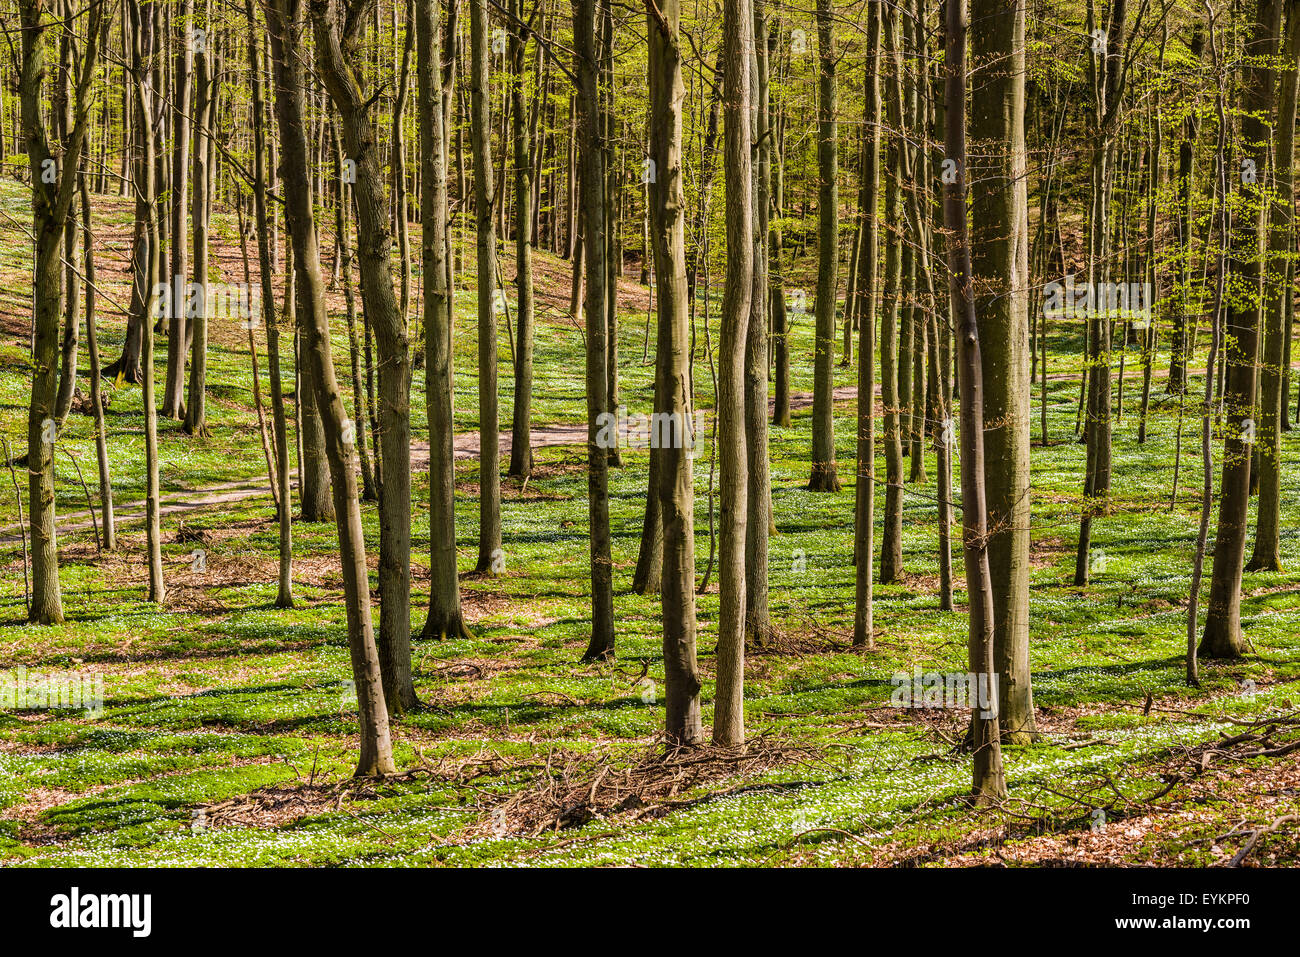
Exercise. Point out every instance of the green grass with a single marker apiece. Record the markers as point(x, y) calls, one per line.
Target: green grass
point(219, 694)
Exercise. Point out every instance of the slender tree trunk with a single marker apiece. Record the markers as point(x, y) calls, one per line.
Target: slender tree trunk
point(445, 619)
point(336, 59)
point(1267, 554)
point(1000, 252)
point(96, 384)
point(360, 395)
point(989, 782)
point(521, 451)
point(286, 28)
point(824, 477)
point(675, 489)
point(597, 323)
point(51, 203)
point(759, 519)
point(891, 546)
point(1222, 637)
point(196, 326)
point(729, 707)
point(279, 424)
point(146, 169)
point(173, 390)
point(490, 554)
point(865, 292)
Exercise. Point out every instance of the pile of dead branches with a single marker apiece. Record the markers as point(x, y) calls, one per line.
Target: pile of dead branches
point(572, 790)
point(272, 806)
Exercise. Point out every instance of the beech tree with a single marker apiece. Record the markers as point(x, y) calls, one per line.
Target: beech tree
point(824, 475)
point(54, 182)
point(1222, 637)
point(286, 24)
point(675, 489)
point(339, 30)
point(989, 779)
point(729, 711)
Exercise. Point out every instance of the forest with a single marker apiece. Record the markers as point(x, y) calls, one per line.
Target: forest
point(757, 433)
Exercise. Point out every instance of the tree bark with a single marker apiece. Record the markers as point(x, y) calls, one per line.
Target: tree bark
point(1000, 253)
point(824, 477)
point(592, 147)
point(865, 292)
point(675, 489)
point(521, 451)
point(1267, 553)
point(286, 28)
point(445, 619)
point(1222, 637)
point(337, 52)
point(733, 466)
point(490, 554)
point(989, 782)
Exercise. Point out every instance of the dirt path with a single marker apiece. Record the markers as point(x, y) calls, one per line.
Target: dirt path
point(465, 445)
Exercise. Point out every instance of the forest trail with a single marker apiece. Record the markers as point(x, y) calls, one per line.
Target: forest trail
point(465, 444)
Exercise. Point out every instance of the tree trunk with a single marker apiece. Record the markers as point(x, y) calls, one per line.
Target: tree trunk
point(51, 202)
point(196, 327)
point(1222, 637)
point(597, 324)
point(173, 390)
point(675, 489)
point(1000, 248)
point(729, 706)
point(279, 424)
point(336, 58)
point(96, 383)
point(146, 169)
point(285, 23)
point(824, 477)
point(989, 783)
point(759, 524)
point(891, 545)
point(490, 554)
point(865, 292)
point(521, 452)
point(445, 619)
point(1267, 555)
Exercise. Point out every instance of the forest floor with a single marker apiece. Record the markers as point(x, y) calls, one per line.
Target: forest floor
point(228, 731)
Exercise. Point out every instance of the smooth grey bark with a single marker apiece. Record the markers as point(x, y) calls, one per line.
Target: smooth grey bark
point(338, 51)
point(445, 619)
point(490, 554)
point(285, 23)
point(1000, 259)
point(759, 521)
point(521, 451)
point(51, 207)
point(988, 779)
point(824, 477)
point(675, 487)
point(1222, 637)
point(595, 248)
point(174, 388)
point(279, 423)
point(1267, 554)
point(733, 464)
point(864, 504)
